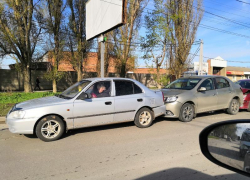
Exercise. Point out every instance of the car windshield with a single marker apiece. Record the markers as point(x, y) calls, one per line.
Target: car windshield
point(185, 84)
point(73, 90)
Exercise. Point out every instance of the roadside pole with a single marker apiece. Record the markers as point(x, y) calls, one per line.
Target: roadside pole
point(201, 59)
point(102, 41)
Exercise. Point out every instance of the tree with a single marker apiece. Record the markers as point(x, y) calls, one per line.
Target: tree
point(157, 37)
point(77, 35)
point(124, 36)
point(185, 19)
point(54, 26)
point(229, 130)
point(19, 34)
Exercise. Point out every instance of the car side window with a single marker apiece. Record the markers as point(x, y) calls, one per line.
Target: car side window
point(123, 88)
point(221, 83)
point(100, 89)
point(137, 89)
point(208, 84)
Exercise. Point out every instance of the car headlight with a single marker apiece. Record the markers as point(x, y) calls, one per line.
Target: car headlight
point(171, 99)
point(17, 114)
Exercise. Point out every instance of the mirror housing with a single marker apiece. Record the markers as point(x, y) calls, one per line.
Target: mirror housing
point(84, 96)
point(202, 89)
point(209, 135)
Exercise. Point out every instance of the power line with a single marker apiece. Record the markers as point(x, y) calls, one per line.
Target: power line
point(243, 2)
point(222, 60)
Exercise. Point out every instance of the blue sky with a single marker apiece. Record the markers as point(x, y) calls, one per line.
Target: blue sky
point(229, 47)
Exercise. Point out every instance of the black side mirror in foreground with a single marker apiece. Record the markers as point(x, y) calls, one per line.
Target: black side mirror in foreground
point(220, 143)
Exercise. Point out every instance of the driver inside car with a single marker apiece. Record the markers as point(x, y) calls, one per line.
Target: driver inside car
point(101, 91)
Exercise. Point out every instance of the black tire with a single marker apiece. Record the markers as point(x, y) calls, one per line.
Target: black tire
point(187, 113)
point(53, 128)
point(144, 118)
point(233, 107)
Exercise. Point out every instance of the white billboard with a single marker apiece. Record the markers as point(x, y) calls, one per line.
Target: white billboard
point(102, 16)
point(204, 67)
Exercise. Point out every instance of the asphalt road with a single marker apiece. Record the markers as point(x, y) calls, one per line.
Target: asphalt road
point(226, 152)
point(169, 149)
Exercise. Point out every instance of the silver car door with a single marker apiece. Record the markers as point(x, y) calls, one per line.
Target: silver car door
point(207, 100)
point(96, 110)
point(128, 99)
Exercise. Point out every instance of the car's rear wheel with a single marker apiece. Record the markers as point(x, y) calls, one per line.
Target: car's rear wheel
point(144, 118)
point(186, 112)
point(233, 107)
point(50, 128)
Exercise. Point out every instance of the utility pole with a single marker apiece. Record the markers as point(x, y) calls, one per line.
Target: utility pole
point(201, 59)
point(102, 41)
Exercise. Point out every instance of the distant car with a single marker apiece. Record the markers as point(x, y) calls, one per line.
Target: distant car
point(90, 102)
point(245, 86)
point(247, 162)
point(186, 97)
point(244, 142)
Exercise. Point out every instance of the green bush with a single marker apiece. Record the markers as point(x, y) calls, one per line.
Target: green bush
point(8, 100)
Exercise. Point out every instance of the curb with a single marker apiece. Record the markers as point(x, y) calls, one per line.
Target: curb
point(2, 119)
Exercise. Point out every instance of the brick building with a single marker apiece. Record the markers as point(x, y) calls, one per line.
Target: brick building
point(218, 66)
point(90, 64)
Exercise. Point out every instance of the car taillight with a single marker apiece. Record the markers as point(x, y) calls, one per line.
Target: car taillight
point(162, 96)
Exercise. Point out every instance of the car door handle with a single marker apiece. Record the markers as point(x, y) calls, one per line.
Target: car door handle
point(108, 103)
point(139, 100)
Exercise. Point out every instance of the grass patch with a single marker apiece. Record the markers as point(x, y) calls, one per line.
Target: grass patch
point(154, 88)
point(8, 100)
point(213, 137)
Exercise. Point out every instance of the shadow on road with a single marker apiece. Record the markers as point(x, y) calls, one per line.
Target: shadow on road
point(232, 154)
point(188, 174)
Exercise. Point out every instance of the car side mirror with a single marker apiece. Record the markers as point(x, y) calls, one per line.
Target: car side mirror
point(202, 89)
point(84, 96)
point(231, 154)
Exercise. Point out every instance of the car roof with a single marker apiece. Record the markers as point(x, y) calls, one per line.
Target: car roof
point(202, 77)
point(108, 78)
point(244, 80)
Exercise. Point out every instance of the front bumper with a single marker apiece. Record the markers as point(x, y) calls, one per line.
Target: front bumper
point(21, 126)
point(173, 109)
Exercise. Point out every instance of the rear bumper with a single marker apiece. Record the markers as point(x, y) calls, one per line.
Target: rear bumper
point(21, 126)
point(245, 105)
point(158, 111)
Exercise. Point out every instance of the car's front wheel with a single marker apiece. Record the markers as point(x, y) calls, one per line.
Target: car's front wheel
point(50, 128)
point(144, 118)
point(233, 107)
point(186, 113)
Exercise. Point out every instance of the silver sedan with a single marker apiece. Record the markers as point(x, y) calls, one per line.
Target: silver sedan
point(90, 102)
point(186, 97)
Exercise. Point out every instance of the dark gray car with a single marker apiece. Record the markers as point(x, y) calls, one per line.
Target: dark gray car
point(186, 97)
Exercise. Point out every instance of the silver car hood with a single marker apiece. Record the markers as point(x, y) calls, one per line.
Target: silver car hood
point(172, 92)
point(45, 101)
